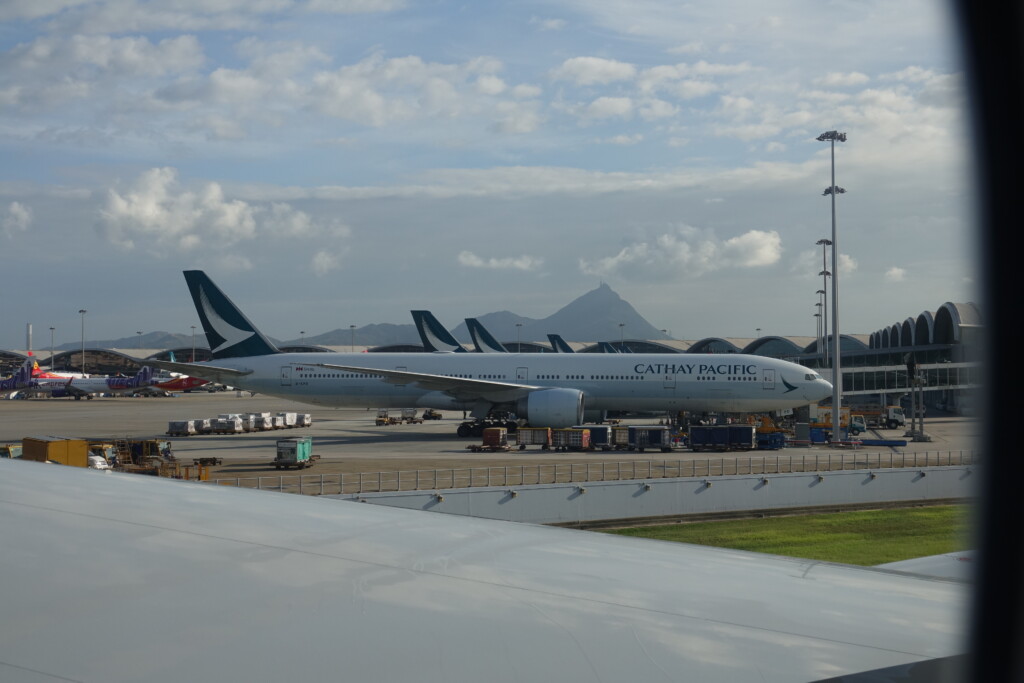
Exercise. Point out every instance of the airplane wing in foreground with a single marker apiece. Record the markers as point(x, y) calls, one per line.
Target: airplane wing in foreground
point(120, 577)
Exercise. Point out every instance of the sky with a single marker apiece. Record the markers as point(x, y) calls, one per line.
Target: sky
point(337, 163)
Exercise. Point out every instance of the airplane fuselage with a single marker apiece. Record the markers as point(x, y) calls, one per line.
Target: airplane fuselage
point(706, 382)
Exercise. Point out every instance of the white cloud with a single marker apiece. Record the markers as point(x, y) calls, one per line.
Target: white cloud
point(593, 71)
point(842, 80)
point(622, 139)
point(17, 218)
point(895, 274)
point(548, 24)
point(158, 214)
point(689, 252)
point(609, 107)
point(323, 262)
point(524, 262)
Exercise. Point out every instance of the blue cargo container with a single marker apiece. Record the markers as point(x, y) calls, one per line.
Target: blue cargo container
point(742, 437)
point(641, 438)
point(723, 437)
point(600, 436)
point(772, 441)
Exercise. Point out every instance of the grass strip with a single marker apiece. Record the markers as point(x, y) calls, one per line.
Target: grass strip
point(864, 537)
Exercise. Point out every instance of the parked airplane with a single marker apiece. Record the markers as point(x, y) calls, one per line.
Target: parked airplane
point(80, 387)
point(178, 381)
point(551, 390)
point(39, 373)
point(433, 334)
point(483, 340)
point(19, 379)
point(559, 344)
point(387, 594)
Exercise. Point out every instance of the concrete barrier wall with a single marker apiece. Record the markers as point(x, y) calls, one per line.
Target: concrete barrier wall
point(615, 500)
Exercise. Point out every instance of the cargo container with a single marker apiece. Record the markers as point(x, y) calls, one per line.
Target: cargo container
point(742, 437)
point(202, 426)
point(305, 420)
point(74, 452)
point(533, 436)
point(181, 428)
point(226, 426)
point(641, 438)
point(10, 450)
point(494, 439)
point(295, 452)
point(570, 439)
point(709, 437)
point(600, 436)
point(288, 420)
point(772, 441)
point(620, 438)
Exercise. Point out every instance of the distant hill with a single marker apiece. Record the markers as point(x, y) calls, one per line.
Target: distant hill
point(594, 316)
point(150, 340)
point(384, 334)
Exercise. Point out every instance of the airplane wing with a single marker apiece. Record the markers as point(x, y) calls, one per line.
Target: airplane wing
point(201, 582)
point(462, 388)
point(212, 373)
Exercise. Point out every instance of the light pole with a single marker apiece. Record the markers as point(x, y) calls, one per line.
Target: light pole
point(823, 332)
point(818, 327)
point(824, 244)
point(82, 313)
point(193, 343)
point(622, 336)
point(51, 348)
point(352, 329)
point(139, 332)
point(302, 336)
point(758, 330)
point(519, 347)
point(837, 377)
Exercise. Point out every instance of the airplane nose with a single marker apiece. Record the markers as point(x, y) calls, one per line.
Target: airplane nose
point(822, 389)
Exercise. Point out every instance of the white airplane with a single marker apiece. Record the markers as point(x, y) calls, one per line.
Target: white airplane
point(210, 583)
point(550, 390)
point(85, 387)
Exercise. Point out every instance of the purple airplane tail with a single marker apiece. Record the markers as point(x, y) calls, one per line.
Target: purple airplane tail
point(22, 378)
point(144, 376)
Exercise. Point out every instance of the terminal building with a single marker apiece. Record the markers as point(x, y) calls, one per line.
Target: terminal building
point(945, 344)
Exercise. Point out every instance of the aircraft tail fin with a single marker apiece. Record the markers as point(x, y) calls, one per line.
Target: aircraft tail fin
point(559, 344)
point(432, 333)
point(483, 340)
point(19, 379)
point(228, 332)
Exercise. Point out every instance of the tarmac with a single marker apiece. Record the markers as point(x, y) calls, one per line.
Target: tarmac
point(347, 440)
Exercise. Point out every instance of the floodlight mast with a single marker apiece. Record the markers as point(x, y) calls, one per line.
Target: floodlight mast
point(832, 137)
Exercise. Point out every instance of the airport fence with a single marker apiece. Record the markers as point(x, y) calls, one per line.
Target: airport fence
point(559, 473)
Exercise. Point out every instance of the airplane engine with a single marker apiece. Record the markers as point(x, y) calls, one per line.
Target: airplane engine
point(557, 408)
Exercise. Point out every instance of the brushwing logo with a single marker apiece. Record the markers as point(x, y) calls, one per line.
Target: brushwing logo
point(436, 341)
point(789, 387)
point(225, 330)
